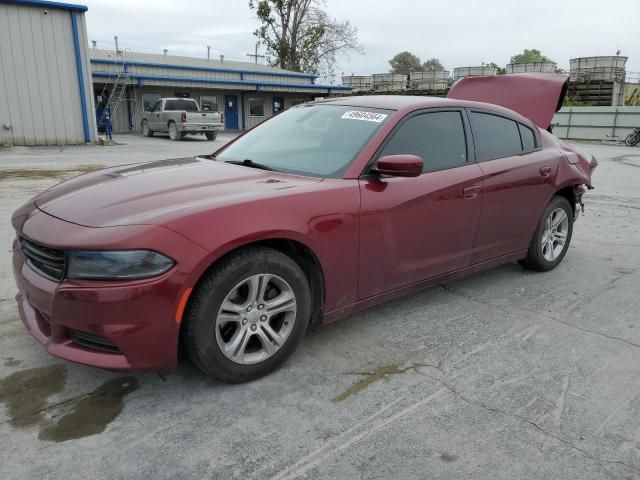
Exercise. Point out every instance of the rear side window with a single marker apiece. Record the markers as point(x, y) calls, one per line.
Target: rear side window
point(528, 138)
point(438, 138)
point(181, 105)
point(495, 136)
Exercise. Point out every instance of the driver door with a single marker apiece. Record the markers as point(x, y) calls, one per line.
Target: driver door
point(413, 229)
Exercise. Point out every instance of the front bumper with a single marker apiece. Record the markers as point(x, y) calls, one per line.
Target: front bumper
point(128, 325)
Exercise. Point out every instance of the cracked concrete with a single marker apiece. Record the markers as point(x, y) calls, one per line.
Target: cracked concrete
point(506, 374)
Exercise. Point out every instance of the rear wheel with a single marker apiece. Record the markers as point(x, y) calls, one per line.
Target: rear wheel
point(146, 131)
point(248, 315)
point(211, 136)
point(552, 238)
point(174, 134)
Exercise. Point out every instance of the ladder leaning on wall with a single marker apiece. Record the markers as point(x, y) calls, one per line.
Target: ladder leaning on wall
point(116, 88)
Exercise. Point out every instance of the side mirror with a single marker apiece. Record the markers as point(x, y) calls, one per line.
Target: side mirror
point(400, 165)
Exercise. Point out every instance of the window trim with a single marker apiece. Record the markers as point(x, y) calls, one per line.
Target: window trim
point(264, 110)
point(506, 117)
point(469, 142)
point(217, 97)
point(154, 103)
point(536, 143)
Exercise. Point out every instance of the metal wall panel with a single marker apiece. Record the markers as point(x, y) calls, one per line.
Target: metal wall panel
point(39, 87)
point(594, 123)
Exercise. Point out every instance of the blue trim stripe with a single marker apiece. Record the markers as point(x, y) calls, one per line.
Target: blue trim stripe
point(230, 82)
point(45, 4)
point(83, 99)
point(204, 69)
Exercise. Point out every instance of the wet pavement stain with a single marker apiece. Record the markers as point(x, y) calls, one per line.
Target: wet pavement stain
point(448, 458)
point(25, 393)
point(46, 173)
point(92, 413)
point(11, 362)
point(371, 377)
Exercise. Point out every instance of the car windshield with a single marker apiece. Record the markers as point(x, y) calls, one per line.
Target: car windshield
point(315, 140)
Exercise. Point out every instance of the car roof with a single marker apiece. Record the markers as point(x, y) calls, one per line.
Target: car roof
point(409, 103)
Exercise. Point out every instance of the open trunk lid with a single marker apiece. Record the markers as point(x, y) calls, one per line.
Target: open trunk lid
point(536, 96)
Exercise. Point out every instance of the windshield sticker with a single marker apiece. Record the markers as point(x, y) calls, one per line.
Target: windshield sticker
point(366, 116)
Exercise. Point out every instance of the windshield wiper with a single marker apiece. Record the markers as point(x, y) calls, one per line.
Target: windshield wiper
point(247, 162)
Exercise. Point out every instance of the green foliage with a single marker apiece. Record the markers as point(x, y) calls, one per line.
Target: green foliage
point(299, 35)
point(499, 70)
point(571, 101)
point(530, 56)
point(433, 65)
point(633, 100)
point(404, 63)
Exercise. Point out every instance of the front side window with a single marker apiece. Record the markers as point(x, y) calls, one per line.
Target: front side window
point(181, 106)
point(157, 106)
point(149, 100)
point(256, 107)
point(209, 103)
point(495, 136)
point(314, 140)
point(438, 138)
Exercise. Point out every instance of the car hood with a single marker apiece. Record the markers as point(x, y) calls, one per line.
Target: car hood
point(537, 96)
point(148, 192)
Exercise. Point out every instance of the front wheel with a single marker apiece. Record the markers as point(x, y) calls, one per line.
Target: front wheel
point(632, 139)
point(174, 134)
point(146, 131)
point(552, 238)
point(248, 315)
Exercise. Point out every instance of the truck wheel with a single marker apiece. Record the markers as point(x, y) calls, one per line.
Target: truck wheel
point(247, 316)
point(174, 134)
point(552, 238)
point(211, 136)
point(146, 131)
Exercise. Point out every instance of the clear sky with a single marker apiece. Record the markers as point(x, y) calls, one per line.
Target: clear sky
point(461, 33)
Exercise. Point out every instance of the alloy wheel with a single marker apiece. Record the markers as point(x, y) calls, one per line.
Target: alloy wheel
point(255, 319)
point(554, 235)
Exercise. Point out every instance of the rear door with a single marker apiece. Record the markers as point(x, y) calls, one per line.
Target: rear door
point(517, 183)
point(412, 229)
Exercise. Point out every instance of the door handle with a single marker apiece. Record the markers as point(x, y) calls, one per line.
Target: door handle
point(545, 171)
point(471, 192)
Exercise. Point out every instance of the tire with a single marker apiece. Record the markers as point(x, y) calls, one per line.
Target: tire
point(632, 139)
point(146, 131)
point(174, 134)
point(211, 136)
point(218, 315)
point(547, 251)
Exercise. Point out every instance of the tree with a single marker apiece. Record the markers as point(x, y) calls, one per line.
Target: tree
point(530, 56)
point(499, 70)
point(299, 35)
point(404, 63)
point(432, 65)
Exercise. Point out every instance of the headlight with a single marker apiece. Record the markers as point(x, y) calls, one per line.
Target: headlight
point(117, 265)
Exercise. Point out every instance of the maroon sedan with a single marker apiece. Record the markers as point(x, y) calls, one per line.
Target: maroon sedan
point(322, 211)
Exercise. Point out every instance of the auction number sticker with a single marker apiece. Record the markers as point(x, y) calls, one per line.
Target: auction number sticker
point(366, 116)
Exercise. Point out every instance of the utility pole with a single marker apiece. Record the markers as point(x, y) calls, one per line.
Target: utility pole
point(255, 56)
point(115, 37)
point(208, 52)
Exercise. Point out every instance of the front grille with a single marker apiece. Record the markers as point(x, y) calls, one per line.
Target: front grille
point(48, 262)
point(92, 341)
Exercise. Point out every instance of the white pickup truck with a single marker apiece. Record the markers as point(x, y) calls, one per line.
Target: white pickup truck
point(179, 116)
